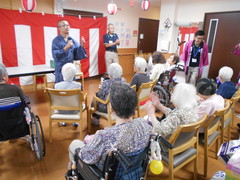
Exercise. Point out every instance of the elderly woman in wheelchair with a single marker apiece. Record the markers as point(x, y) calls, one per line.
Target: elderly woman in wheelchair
point(128, 135)
point(16, 118)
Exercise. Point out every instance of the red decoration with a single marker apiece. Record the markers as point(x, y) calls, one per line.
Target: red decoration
point(29, 5)
point(131, 3)
point(145, 5)
point(112, 8)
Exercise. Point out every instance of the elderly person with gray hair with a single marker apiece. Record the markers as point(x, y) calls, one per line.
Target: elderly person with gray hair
point(68, 71)
point(10, 90)
point(185, 102)
point(115, 74)
point(227, 87)
point(128, 134)
point(141, 76)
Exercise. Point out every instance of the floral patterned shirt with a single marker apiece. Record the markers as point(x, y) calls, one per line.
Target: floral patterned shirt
point(128, 137)
point(173, 119)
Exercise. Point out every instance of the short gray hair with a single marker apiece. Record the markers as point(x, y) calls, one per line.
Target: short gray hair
point(69, 71)
point(110, 24)
point(184, 96)
point(140, 63)
point(115, 71)
point(225, 73)
point(3, 71)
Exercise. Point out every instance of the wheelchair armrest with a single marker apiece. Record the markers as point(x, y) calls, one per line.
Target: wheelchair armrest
point(165, 142)
point(123, 159)
point(87, 171)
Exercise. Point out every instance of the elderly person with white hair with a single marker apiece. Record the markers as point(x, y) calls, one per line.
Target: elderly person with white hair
point(227, 87)
point(115, 74)
point(185, 101)
point(68, 71)
point(141, 76)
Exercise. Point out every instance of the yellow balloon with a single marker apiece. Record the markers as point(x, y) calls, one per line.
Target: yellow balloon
point(156, 167)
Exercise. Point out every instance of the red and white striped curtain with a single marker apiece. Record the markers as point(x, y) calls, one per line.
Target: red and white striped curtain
point(186, 34)
point(26, 39)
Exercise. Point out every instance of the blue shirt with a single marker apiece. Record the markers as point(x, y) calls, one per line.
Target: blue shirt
point(61, 57)
point(108, 39)
point(227, 89)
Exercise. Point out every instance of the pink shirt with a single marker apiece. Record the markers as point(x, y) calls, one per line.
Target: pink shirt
point(209, 106)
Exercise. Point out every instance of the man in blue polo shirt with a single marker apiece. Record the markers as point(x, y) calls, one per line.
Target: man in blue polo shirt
point(111, 41)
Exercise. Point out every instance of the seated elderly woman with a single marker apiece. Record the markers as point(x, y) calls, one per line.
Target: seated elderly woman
point(129, 135)
point(68, 71)
point(209, 100)
point(227, 87)
point(141, 76)
point(115, 74)
point(185, 102)
point(159, 65)
point(172, 62)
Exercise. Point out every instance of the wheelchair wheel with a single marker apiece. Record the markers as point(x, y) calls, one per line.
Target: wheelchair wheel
point(37, 137)
point(163, 95)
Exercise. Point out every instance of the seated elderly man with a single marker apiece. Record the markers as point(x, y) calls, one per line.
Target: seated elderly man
point(10, 90)
point(185, 102)
point(129, 135)
point(115, 74)
point(141, 76)
point(227, 87)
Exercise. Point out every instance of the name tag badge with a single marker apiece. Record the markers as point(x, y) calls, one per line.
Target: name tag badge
point(110, 42)
point(194, 60)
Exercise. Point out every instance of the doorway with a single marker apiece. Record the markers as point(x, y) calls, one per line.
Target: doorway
point(223, 35)
point(148, 35)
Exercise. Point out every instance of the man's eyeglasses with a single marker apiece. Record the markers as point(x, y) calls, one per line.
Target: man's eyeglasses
point(65, 25)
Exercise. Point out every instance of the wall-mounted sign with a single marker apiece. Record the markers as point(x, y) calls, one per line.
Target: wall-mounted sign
point(135, 32)
point(141, 36)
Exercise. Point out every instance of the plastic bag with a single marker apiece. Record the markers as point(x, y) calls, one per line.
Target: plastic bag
point(233, 167)
point(227, 149)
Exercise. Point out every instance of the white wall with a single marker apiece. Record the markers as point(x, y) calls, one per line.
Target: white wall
point(189, 11)
point(193, 11)
point(125, 20)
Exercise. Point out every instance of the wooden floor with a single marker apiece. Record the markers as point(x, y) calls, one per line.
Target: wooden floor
point(17, 161)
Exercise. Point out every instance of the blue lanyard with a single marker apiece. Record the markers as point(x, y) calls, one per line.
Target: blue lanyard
point(196, 52)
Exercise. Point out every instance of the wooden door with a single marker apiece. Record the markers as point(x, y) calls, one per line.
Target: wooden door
point(148, 35)
point(226, 38)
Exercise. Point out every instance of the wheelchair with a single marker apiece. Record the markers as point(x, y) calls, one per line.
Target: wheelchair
point(118, 166)
point(13, 125)
point(165, 85)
